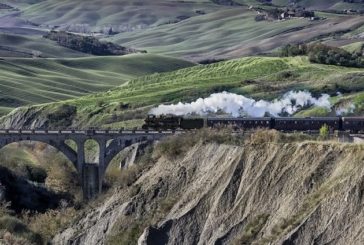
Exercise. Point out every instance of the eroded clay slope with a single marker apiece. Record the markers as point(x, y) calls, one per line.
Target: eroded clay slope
point(298, 193)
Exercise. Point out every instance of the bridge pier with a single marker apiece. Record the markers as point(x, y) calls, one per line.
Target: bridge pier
point(91, 181)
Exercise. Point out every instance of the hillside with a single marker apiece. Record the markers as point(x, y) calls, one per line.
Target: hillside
point(277, 193)
point(256, 77)
point(123, 15)
point(35, 81)
point(324, 4)
point(196, 30)
point(27, 46)
point(234, 33)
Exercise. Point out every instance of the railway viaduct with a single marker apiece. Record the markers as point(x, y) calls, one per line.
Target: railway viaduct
point(110, 144)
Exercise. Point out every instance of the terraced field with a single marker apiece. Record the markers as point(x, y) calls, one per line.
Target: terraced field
point(34, 81)
point(257, 77)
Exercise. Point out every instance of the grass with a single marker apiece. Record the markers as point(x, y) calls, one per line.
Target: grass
point(17, 228)
point(257, 77)
point(251, 230)
point(124, 13)
point(231, 33)
point(12, 45)
point(354, 47)
point(35, 81)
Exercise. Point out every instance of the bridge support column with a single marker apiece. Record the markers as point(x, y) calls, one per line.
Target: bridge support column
point(80, 156)
point(92, 174)
point(91, 181)
point(102, 156)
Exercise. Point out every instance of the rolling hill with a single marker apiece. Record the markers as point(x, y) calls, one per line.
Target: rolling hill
point(232, 34)
point(33, 81)
point(257, 77)
point(122, 15)
point(27, 46)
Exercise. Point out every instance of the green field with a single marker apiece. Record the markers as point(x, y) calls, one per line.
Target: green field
point(34, 81)
point(257, 77)
point(232, 34)
point(27, 45)
point(121, 13)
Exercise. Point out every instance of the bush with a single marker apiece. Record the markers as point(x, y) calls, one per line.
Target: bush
point(293, 50)
point(122, 177)
point(5, 208)
point(62, 178)
point(36, 174)
point(12, 239)
point(177, 145)
point(261, 136)
point(323, 54)
point(324, 131)
point(252, 229)
point(51, 222)
point(18, 231)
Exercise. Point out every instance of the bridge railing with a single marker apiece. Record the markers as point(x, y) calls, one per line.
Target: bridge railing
point(86, 132)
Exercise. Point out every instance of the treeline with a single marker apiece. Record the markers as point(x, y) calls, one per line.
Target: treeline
point(324, 54)
point(88, 44)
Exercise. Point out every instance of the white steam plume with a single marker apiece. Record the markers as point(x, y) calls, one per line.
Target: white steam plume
point(238, 105)
point(343, 110)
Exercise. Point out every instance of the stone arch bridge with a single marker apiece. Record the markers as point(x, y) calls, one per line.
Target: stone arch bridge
point(110, 142)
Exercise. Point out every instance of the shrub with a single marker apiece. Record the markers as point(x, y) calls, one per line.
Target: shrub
point(293, 50)
point(5, 208)
point(252, 229)
point(36, 174)
point(12, 239)
point(177, 145)
point(261, 136)
point(324, 131)
point(124, 177)
point(18, 231)
point(324, 54)
point(62, 115)
point(62, 177)
point(51, 222)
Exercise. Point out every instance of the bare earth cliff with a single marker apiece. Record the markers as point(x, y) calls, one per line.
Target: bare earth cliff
point(273, 193)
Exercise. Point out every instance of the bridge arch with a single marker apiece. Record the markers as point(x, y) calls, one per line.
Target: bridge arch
point(117, 145)
point(66, 150)
point(92, 151)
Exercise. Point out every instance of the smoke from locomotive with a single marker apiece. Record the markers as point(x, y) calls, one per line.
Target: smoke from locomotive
point(238, 105)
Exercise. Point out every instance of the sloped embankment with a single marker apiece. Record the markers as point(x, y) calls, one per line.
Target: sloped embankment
point(294, 193)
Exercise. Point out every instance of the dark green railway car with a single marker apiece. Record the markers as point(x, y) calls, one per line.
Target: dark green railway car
point(192, 123)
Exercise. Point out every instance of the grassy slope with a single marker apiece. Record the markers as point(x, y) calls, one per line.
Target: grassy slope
point(255, 77)
point(114, 12)
point(231, 33)
point(24, 45)
point(322, 4)
point(34, 81)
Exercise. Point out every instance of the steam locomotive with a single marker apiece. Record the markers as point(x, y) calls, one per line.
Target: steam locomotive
point(170, 122)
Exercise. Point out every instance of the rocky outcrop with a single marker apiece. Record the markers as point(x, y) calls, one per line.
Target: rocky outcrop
point(296, 193)
point(132, 153)
point(37, 117)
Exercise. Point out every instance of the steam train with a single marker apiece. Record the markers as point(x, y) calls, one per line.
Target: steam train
point(169, 122)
